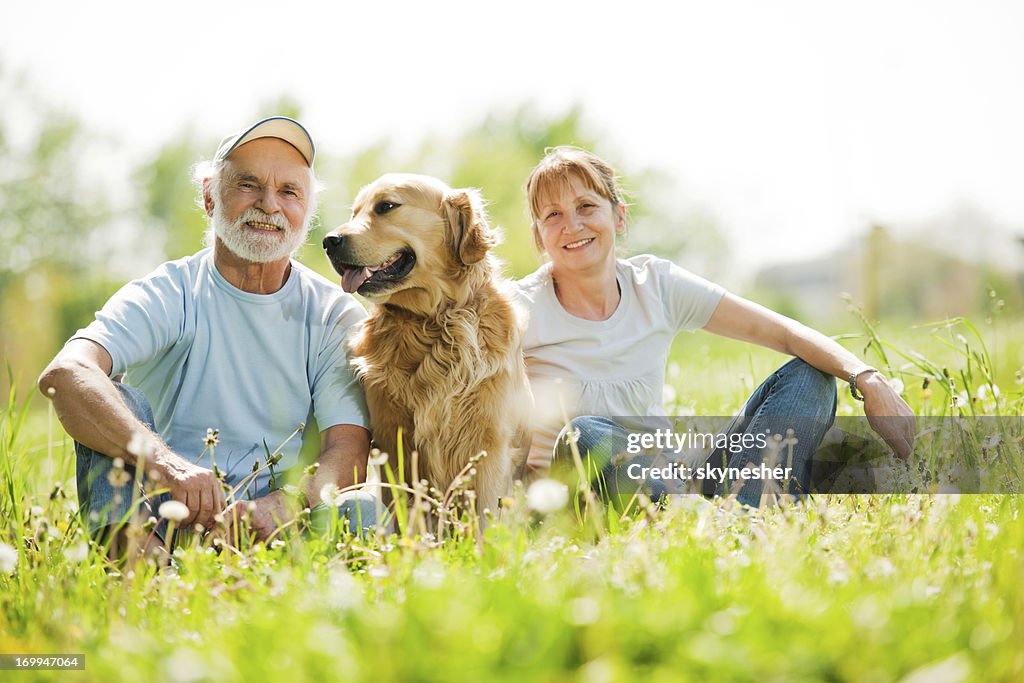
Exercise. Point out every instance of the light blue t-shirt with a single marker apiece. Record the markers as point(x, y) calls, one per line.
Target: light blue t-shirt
point(254, 366)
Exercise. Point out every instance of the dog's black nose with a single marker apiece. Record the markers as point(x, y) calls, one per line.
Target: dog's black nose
point(332, 242)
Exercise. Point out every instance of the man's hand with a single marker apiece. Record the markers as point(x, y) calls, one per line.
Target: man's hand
point(260, 517)
point(888, 414)
point(197, 487)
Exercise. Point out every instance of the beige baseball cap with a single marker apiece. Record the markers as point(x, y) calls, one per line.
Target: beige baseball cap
point(282, 127)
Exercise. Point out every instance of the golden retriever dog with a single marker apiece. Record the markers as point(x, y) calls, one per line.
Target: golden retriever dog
point(440, 356)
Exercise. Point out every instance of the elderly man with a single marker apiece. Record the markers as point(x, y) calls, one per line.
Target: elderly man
point(237, 338)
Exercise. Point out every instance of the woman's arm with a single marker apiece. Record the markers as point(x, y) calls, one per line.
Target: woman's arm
point(887, 413)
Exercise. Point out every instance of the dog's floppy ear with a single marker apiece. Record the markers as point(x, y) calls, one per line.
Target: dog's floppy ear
point(468, 233)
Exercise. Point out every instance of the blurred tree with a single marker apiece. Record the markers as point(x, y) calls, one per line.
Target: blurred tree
point(45, 210)
point(51, 214)
point(168, 197)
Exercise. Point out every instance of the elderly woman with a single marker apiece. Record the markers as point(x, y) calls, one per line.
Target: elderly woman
point(600, 329)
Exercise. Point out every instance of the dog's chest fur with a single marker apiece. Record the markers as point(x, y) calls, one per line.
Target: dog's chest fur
point(445, 364)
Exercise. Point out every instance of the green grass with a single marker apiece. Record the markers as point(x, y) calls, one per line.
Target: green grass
point(870, 588)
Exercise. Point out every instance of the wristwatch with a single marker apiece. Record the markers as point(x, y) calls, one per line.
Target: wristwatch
point(852, 379)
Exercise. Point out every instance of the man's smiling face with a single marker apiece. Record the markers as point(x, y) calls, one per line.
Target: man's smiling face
point(260, 206)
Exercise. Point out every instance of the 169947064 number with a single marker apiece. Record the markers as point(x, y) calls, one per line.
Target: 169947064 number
point(15, 662)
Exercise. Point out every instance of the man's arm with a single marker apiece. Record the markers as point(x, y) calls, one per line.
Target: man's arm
point(342, 462)
point(344, 450)
point(93, 413)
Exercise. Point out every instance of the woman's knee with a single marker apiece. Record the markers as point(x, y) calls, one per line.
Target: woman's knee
point(593, 438)
point(815, 389)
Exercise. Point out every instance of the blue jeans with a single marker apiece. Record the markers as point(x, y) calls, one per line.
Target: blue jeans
point(109, 499)
point(796, 396)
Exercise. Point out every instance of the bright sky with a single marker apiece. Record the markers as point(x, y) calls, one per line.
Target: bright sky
point(797, 122)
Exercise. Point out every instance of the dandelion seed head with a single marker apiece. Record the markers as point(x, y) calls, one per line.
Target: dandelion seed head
point(173, 510)
point(118, 477)
point(51, 392)
point(8, 559)
point(329, 494)
point(138, 445)
point(76, 553)
point(547, 495)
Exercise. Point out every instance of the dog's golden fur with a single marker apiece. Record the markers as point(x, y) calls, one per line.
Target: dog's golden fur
point(440, 355)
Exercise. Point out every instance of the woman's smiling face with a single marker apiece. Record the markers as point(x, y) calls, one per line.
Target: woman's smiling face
point(577, 226)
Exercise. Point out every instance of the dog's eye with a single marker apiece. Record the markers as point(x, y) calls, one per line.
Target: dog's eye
point(382, 207)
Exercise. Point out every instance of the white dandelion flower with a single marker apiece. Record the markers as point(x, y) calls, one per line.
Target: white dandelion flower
point(8, 559)
point(138, 445)
point(547, 496)
point(77, 552)
point(329, 494)
point(985, 392)
point(173, 510)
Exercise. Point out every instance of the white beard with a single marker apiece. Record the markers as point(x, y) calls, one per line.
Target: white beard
point(253, 246)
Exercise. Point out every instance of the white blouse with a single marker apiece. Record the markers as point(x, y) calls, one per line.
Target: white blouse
point(614, 367)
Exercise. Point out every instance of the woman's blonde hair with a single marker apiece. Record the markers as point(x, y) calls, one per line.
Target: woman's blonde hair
point(557, 169)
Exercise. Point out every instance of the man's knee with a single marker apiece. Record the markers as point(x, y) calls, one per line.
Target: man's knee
point(137, 403)
point(355, 509)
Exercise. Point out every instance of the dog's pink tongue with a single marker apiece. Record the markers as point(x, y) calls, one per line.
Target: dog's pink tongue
point(353, 277)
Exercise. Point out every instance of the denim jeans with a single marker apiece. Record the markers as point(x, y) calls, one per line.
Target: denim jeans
point(107, 498)
point(796, 396)
point(105, 505)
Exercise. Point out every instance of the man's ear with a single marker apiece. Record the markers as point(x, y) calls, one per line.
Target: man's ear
point(467, 231)
point(207, 197)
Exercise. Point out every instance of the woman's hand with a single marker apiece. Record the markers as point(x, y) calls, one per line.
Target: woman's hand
point(888, 414)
